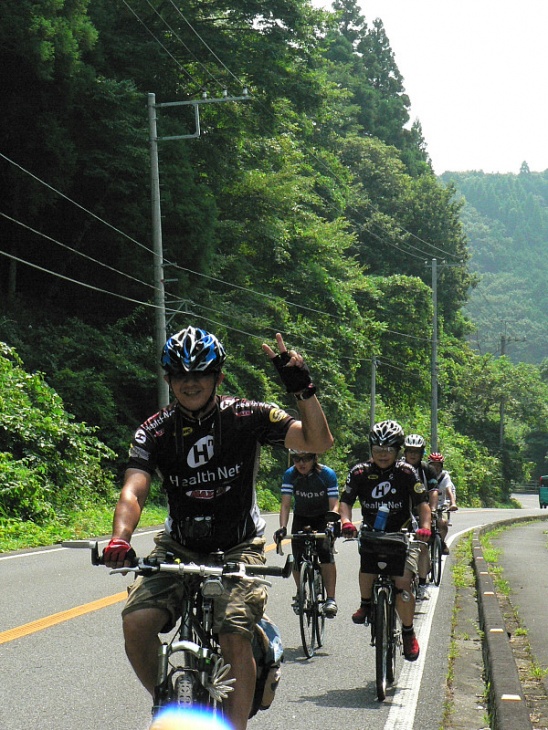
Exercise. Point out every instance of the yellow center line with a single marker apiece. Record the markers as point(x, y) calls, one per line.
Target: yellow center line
point(57, 618)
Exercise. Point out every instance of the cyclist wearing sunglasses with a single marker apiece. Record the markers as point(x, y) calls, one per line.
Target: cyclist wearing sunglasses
point(383, 480)
point(205, 448)
point(413, 451)
point(314, 490)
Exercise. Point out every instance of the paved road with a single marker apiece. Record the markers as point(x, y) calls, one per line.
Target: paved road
point(524, 560)
point(70, 671)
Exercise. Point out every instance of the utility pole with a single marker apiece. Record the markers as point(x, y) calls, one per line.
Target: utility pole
point(160, 334)
point(434, 365)
point(502, 399)
point(159, 290)
point(504, 340)
point(373, 392)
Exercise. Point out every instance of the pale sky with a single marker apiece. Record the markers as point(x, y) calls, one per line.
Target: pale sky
point(476, 72)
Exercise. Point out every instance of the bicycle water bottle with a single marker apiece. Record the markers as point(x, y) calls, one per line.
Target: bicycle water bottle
point(381, 518)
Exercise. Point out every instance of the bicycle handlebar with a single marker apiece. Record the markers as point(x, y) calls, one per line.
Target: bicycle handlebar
point(305, 535)
point(230, 569)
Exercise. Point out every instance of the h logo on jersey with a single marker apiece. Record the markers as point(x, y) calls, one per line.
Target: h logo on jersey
point(201, 452)
point(381, 490)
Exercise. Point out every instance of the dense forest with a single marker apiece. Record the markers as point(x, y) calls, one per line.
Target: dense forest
point(305, 204)
point(505, 218)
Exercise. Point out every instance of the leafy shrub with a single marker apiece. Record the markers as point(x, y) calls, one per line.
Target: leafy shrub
point(49, 463)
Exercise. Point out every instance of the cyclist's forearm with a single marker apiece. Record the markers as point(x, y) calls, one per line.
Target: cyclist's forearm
point(130, 504)
point(284, 513)
point(126, 518)
point(425, 516)
point(345, 512)
point(312, 432)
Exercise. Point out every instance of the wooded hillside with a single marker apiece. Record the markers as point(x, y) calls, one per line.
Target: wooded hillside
point(505, 218)
point(310, 209)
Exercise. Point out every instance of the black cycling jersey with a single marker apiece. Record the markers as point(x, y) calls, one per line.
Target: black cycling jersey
point(208, 468)
point(399, 488)
point(428, 476)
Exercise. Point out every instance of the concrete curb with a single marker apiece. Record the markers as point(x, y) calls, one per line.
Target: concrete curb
point(507, 702)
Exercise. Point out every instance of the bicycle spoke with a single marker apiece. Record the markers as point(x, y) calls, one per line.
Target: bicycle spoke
point(382, 644)
point(436, 549)
point(319, 616)
point(307, 603)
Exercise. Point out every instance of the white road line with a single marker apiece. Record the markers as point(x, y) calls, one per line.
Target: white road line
point(404, 703)
point(32, 553)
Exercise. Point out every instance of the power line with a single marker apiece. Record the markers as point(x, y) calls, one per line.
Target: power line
point(74, 281)
point(180, 65)
point(329, 170)
point(73, 202)
point(205, 44)
point(176, 35)
point(247, 290)
point(75, 251)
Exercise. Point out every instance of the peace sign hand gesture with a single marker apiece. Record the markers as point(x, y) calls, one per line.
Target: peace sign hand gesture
point(293, 371)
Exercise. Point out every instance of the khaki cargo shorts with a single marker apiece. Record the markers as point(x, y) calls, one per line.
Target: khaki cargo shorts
point(235, 612)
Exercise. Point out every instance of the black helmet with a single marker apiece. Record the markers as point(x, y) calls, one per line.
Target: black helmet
point(386, 433)
point(192, 350)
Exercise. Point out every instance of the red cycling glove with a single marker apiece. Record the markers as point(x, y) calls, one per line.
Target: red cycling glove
point(118, 551)
point(349, 529)
point(423, 534)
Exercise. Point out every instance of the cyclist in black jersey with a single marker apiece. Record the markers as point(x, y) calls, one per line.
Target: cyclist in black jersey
point(385, 480)
point(205, 448)
point(413, 451)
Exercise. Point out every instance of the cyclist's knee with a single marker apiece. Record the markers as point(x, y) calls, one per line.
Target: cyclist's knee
point(143, 625)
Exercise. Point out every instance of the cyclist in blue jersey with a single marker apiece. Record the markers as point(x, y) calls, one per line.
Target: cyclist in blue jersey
point(205, 449)
point(314, 490)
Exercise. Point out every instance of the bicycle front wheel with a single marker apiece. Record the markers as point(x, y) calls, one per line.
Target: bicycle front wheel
point(307, 608)
point(383, 650)
point(436, 551)
point(319, 615)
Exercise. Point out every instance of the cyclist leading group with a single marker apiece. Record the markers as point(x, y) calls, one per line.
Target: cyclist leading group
point(205, 448)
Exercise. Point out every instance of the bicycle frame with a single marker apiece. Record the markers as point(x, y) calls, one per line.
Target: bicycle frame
point(385, 632)
point(191, 669)
point(311, 590)
point(436, 546)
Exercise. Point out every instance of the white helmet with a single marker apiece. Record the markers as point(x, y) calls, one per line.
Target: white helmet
point(414, 441)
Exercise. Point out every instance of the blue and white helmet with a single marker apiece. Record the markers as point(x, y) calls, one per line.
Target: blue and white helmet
point(192, 350)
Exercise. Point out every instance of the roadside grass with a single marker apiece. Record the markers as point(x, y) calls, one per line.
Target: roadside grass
point(86, 524)
point(465, 635)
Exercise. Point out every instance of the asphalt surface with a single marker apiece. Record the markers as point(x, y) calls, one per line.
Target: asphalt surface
point(518, 697)
point(524, 560)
